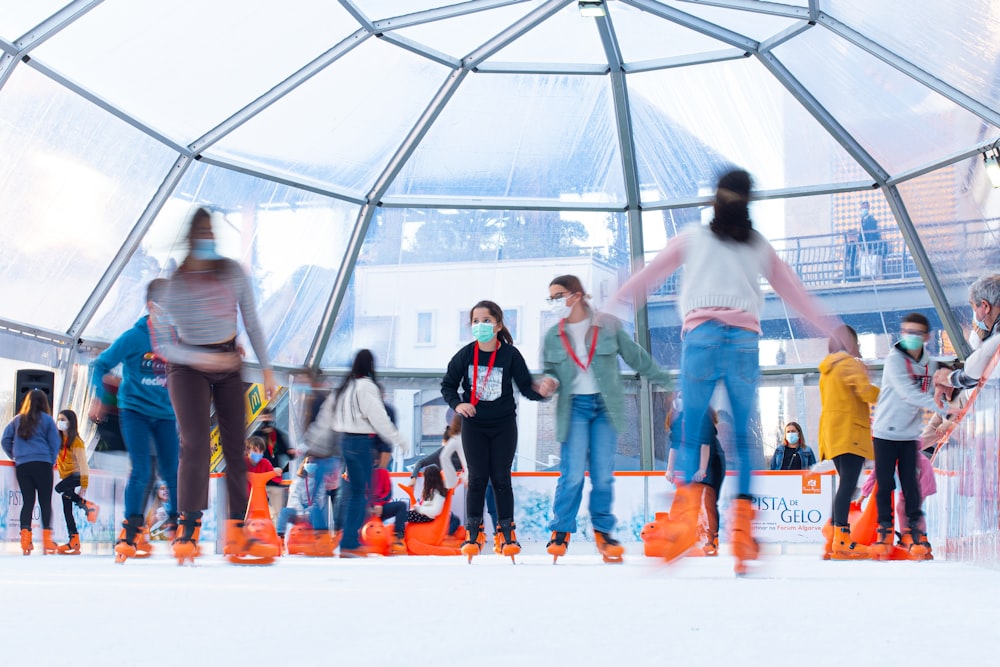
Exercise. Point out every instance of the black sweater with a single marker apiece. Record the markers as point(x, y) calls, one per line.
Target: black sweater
point(496, 398)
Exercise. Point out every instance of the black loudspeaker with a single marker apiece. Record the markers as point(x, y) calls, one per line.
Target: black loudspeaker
point(28, 379)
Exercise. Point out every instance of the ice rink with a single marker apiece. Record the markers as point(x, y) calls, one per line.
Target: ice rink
point(792, 610)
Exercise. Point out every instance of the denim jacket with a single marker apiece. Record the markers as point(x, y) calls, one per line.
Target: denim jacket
point(612, 342)
point(806, 456)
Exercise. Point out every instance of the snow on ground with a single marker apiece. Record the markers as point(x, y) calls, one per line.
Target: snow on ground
point(793, 610)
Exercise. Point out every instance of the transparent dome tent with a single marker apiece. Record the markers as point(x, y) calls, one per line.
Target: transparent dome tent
point(378, 166)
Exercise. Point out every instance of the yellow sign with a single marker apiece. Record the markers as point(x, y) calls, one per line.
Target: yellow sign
point(254, 403)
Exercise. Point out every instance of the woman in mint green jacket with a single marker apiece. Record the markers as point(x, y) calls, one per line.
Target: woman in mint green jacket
point(581, 352)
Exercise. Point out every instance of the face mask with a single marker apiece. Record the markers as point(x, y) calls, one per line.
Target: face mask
point(310, 468)
point(911, 341)
point(483, 332)
point(560, 309)
point(792, 438)
point(204, 249)
point(62, 425)
point(256, 457)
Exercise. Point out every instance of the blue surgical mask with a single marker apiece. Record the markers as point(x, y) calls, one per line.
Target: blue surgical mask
point(204, 249)
point(255, 457)
point(911, 341)
point(559, 308)
point(310, 468)
point(792, 438)
point(483, 332)
point(979, 324)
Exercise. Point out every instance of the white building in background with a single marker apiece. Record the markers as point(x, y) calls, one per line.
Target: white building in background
point(416, 316)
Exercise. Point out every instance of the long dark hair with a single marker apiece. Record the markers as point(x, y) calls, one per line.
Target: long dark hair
point(35, 404)
point(433, 481)
point(70, 435)
point(732, 214)
point(497, 312)
point(363, 366)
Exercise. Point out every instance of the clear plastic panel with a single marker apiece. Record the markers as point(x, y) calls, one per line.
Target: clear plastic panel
point(865, 276)
point(347, 143)
point(426, 268)
point(19, 16)
point(747, 23)
point(185, 66)
point(544, 137)
point(69, 195)
point(644, 36)
point(565, 37)
point(956, 213)
point(963, 516)
point(291, 241)
point(957, 43)
point(460, 35)
point(731, 112)
point(900, 122)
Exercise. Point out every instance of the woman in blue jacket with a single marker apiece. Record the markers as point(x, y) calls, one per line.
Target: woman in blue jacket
point(31, 440)
point(793, 453)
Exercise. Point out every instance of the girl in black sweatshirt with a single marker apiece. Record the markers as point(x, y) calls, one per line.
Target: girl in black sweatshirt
point(479, 385)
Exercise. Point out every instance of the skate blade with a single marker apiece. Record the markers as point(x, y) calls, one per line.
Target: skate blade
point(613, 559)
point(250, 560)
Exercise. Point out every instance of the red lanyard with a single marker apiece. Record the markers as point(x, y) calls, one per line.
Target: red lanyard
point(922, 382)
point(569, 348)
point(475, 371)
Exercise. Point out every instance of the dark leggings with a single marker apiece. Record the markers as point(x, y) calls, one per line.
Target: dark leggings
point(35, 480)
point(890, 454)
point(489, 451)
point(848, 470)
point(192, 393)
point(67, 487)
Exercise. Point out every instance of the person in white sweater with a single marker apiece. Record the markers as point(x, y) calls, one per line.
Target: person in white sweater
point(720, 303)
point(360, 415)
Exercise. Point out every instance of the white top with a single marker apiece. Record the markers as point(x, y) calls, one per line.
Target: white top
point(431, 507)
point(583, 382)
point(737, 286)
point(361, 410)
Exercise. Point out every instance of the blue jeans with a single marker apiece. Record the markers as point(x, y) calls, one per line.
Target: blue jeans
point(319, 501)
point(711, 353)
point(138, 430)
point(358, 461)
point(591, 444)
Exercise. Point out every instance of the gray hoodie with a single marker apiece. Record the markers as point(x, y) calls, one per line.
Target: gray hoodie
point(906, 389)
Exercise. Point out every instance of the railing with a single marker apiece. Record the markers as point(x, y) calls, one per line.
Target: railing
point(829, 260)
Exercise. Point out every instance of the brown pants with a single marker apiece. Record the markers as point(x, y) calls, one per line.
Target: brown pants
point(192, 393)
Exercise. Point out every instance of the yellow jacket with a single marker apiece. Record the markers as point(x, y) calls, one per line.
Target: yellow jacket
point(73, 459)
point(845, 421)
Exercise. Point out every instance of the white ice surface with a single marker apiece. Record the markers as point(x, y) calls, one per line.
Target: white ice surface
point(792, 610)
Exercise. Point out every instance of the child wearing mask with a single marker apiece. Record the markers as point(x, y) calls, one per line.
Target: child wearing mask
point(479, 385)
point(73, 473)
point(906, 391)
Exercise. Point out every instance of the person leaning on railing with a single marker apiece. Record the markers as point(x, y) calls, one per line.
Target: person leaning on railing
point(984, 297)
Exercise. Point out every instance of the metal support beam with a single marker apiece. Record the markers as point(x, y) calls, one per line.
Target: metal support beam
point(756, 6)
point(367, 212)
point(630, 171)
point(515, 30)
point(288, 85)
point(127, 249)
point(53, 25)
point(897, 62)
point(301, 183)
point(438, 13)
point(823, 116)
point(697, 24)
point(927, 273)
